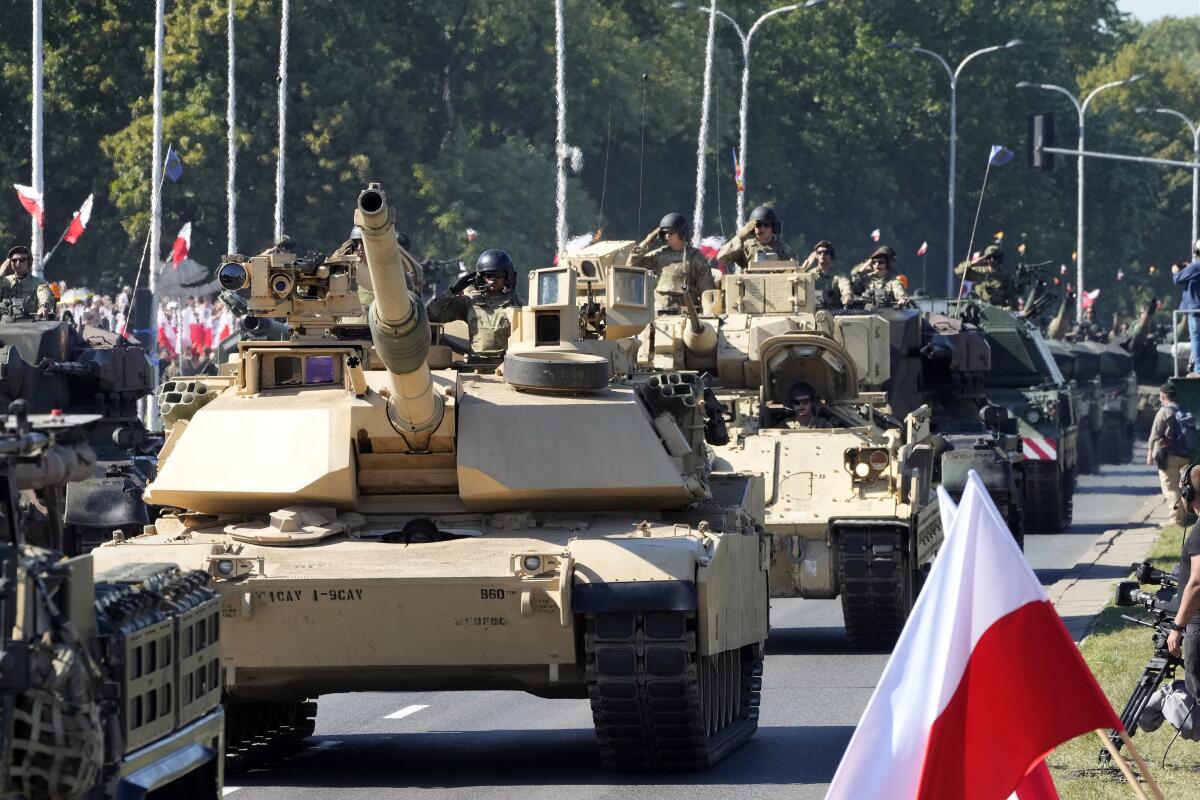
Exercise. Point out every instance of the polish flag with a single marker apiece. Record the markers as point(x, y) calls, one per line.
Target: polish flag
point(710, 246)
point(923, 249)
point(1090, 297)
point(875, 234)
point(32, 201)
point(984, 682)
point(183, 243)
point(79, 222)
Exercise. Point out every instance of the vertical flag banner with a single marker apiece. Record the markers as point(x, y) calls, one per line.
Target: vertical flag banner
point(31, 200)
point(183, 244)
point(984, 681)
point(79, 222)
point(173, 165)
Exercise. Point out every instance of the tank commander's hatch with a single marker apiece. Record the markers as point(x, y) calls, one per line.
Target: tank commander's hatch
point(808, 358)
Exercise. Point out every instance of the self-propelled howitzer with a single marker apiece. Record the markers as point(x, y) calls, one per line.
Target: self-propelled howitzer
point(374, 523)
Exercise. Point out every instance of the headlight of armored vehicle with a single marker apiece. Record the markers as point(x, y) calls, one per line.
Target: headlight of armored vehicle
point(867, 463)
point(1033, 416)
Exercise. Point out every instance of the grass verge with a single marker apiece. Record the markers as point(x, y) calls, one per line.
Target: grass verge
point(1117, 652)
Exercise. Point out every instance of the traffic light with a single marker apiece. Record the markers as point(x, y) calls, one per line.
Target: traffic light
point(1041, 135)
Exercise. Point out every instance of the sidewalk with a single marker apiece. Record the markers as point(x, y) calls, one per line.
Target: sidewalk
point(1084, 591)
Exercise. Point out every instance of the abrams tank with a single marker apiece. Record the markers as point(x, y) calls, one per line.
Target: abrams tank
point(1026, 381)
point(110, 685)
point(56, 369)
point(373, 524)
point(849, 500)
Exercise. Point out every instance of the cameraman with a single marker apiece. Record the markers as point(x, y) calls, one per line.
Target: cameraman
point(1184, 639)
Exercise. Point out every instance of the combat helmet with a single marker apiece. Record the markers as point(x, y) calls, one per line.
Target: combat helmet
point(767, 214)
point(497, 261)
point(675, 222)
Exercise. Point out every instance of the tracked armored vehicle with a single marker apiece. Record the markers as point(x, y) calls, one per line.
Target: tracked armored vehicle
point(849, 504)
point(1026, 381)
point(373, 524)
point(56, 369)
point(110, 682)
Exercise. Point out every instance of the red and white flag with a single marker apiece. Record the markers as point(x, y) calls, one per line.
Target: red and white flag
point(32, 201)
point(183, 243)
point(923, 249)
point(1089, 298)
point(875, 234)
point(79, 222)
point(984, 682)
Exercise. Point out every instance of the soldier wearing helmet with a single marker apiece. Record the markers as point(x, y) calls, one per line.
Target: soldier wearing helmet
point(986, 272)
point(833, 290)
point(881, 286)
point(22, 294)
point(758, 240)
point(679, 266)
point(482, 299)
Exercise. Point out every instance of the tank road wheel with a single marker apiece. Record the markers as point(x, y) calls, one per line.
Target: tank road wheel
point(257, 731)
point(656, 702)
point(1045, 498)
point(878, 585)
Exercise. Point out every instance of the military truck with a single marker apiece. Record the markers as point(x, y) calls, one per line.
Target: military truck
point(850, 507)
point(55, 368)
point(375, 524)
point(1026, 381)
point(109, 682)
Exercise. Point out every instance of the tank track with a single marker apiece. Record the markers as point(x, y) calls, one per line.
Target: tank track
point(1046, 502)
point(260, 731)
point(657, 703)
point(877, 587)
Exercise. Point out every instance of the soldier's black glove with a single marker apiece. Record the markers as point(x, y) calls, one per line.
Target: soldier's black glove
point(462, 283)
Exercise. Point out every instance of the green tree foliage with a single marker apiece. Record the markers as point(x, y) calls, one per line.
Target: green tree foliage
point(451, 106)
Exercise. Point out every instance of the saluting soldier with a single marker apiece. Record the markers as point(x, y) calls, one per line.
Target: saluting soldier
point(986, 272)
point(23, 296)
point(883, 286)
point(483, 308)
point(676, 263)
point(833, 290)
point(758, 240)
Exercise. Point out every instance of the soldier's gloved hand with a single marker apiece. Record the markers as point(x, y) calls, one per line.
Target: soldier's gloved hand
point(460, 285)
point(747, 229)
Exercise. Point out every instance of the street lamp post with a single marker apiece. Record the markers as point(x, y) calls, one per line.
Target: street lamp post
point(1081, 110)
point(743, 114)
point(1195, 131)
point(953, 74)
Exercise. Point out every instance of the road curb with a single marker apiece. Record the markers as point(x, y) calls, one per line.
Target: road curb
point(1087, 588)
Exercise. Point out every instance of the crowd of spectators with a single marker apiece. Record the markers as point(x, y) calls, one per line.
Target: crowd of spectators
point(188, 334)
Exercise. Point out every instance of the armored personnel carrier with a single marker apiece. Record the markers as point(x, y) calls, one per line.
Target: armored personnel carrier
point(1026, 381)
point(110, 682)
point(55, 369)
point(374, 524)
point(849, 499)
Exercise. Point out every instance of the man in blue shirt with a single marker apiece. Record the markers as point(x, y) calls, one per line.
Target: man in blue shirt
point(1189, 278)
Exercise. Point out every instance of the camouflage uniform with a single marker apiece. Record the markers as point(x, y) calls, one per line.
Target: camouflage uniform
point(744, 251)
point(989, 283)
point(485, 317)
point(814, 423)
point(21, 297)
point(676, 268)
point(830, 288)
point(886, 286)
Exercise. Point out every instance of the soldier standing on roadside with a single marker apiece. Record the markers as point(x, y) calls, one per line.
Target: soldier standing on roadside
point(676, 263)
point(758, 240)
point(23, 296)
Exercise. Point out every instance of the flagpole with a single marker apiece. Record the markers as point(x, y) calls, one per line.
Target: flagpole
point(283, 59)
point(56, 244)
point(37, 245)
point(230, 144)
point(702, 137)
point(1126, 771)
point(974, 226)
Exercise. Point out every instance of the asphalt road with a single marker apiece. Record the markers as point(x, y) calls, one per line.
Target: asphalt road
point(386, 746)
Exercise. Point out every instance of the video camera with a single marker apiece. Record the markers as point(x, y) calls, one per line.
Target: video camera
point(1163, 605)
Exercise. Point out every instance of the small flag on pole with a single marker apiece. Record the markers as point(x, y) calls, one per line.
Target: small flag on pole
point(923, 249)
point(739, 179)
point(1000, 155)
point(472, 234)
point(183, 243)
point(173, 165)
point(79, 222)
point(1120, 275)
point(875, 234)
point(32, 201)
point(1062, 269)
point(1090, 297)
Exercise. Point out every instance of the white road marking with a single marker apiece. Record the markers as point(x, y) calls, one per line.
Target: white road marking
point(228, 790)
point(318, 747)
point(404, 712)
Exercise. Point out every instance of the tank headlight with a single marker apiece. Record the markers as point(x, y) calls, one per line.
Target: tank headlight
point(225, 567)
point(878, 460)
point(1033, 416)
point(532, 563)
point(233, 276)
point(862, 469)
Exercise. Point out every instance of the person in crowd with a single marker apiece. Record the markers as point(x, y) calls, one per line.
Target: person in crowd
point(1187, 278)
point(1165, 450)
point(1183, 641)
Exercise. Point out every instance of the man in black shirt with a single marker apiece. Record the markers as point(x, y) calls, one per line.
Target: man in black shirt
point(1184, 639)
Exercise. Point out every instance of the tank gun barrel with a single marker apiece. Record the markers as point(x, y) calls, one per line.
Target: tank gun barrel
point(399, 326)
